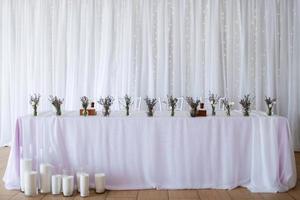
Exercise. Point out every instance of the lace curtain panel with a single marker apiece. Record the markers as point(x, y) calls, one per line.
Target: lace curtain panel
point(72, 48)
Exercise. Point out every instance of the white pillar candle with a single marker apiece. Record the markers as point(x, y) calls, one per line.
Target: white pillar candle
point(25, 166)
point(100, 182)
point(84, 185)
point(56, 184)
point(30, 186)
point(78, 180)
point(68, 185)
point(45, 178)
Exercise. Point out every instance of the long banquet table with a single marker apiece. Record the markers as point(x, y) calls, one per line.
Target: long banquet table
point(163, 152)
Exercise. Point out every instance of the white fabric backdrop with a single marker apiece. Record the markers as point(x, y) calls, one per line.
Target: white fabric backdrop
point(72, 48)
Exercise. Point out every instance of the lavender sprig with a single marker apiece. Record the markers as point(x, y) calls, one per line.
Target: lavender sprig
point(192, 103)
point(56, 102)
point(246, 102)
point(34, 101)
point(106, 103)
point(151, 104)
point(172, 102)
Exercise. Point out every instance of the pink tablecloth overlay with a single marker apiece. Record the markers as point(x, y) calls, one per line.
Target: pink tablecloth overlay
point(138, 152)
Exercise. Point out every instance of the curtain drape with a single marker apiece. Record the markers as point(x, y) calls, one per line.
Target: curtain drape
point(72, 48)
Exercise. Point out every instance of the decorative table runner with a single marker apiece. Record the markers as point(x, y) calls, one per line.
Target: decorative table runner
point(139, 152)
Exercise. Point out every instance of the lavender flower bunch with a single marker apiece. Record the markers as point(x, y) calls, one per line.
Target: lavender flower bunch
point(56, 102)
point(246, 102)
point(151, 104)
point(228, 105)
point(193, 104)
point(213, 99)
point(172, 102)
point(106, 103)
point(85, 103)
point(128, 102)
point(270, 103)
point(34, 101)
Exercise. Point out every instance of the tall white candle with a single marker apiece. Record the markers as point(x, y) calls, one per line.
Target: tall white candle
point(84, 185)
point(56, 184)
point(45, 178)
point(78, 180)
point(100, 182)
point(68, 185)
point(25, 166)
point(30, 186)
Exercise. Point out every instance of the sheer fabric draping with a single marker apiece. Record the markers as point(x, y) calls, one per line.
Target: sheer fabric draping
point(72, 48)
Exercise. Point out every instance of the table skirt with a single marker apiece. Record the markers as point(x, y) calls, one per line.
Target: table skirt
point(139, 152)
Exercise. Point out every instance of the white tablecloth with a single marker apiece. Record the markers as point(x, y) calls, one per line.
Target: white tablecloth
point(138, 152)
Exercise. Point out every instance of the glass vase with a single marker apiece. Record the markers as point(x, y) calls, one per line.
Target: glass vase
point(270, 111)
point(172, 112)
point(193, 112)
point(127, 110)
point(150, 113)
point(246, 112)
point(228, 112)
point(35, 111)
point(58, 111)
point(85, 112)
point(106, 111)
point(213, 112)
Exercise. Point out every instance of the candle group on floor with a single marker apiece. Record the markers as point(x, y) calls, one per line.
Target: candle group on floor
point(56, 183)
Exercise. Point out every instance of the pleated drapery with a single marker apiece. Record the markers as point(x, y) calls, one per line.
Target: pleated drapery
point(72, 48)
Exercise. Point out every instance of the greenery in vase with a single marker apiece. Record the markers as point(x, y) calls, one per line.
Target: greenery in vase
point(228, 105)
point(270, 102)
point(128, 102)
point(193, 104)
point(246, 104)
point(172, 103)
point(34, 101)
point(56, 102)
point(214, 100)
point(151, 104)
point(85, 103)
point(106, 103)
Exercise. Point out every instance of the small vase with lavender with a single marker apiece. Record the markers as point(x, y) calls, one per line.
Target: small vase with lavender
point(85, 103)
point(34, 101)
point(246, 104)
point(150, 104)
point(193, 104)
point(228, 106)
point(172, 103)
point(270, 102)
point(106, 103)
point(56, 102)
point(128, 103)
point(214, 100)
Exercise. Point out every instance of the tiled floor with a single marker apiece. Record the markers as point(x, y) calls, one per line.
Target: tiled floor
point(236, 194)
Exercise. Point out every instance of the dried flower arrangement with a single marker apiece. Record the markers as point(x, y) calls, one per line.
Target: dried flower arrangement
point(106, 103)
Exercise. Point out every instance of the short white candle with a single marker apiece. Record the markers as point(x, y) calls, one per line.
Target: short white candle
point(25, 166)
point(68, 185)
point(45, 178)
point(84, 185)
point(56, 184)
point(100, 182)
point(30, 186)
point(78, 180)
